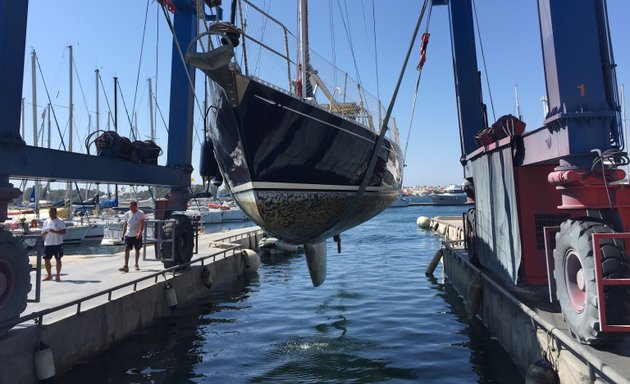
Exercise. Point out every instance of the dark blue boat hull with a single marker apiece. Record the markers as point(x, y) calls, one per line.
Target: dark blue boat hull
point(294, 168)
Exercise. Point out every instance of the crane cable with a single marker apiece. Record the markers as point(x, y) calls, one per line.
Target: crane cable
point(423, 51)
point(181, 56)
point(483, 58)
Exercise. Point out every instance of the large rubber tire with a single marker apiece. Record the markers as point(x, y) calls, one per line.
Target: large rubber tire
point(15, 278)
point(182, 233)
point(574, 271)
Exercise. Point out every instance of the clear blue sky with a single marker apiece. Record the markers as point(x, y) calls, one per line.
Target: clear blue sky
point(108, 35)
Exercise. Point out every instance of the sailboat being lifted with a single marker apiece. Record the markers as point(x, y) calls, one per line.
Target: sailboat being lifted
point(295, 155)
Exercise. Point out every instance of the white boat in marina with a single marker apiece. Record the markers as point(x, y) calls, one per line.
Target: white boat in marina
point(113, 232)
point(216, 212)
point(89, 233)
point(400, 202)
point(452, 195)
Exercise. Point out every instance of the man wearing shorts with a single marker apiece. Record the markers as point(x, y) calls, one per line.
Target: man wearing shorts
point(132, 233)
point(53, 231)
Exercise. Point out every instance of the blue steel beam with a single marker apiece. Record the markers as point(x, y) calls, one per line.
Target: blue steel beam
point(13, 16)
point(34, 162)
point(19, 160)
point(577, 73)
point(182, 100)
point(470, 107)
point(180, 136)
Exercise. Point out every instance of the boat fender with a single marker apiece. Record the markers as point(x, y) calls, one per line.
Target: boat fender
point(208, 166)
point(44, 363)
point(542, 372)
point(206, 277)
point(251, 261)
point(423, 222)
point(434, 262)
point(170, 295)
point(475, 293)
point(337, 239)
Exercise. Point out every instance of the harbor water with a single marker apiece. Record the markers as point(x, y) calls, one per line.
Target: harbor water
point(376, 319)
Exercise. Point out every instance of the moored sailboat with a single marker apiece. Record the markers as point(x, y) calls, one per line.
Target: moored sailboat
point(303, 162)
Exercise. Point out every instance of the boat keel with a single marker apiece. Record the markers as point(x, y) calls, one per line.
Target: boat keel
point(316, 260)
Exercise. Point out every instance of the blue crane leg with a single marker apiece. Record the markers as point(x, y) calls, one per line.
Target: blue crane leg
point(12, 46)
point(579, 76)
point(180, 137)
point(470, 105)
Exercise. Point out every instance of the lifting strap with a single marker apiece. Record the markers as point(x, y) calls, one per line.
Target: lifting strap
point(423, 57)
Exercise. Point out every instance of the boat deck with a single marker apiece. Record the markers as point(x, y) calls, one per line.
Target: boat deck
point(575, 361)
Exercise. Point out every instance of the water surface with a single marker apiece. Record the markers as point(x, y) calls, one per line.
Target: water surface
point(376, 319)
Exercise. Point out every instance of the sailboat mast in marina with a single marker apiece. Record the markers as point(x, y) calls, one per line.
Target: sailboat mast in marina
point(293, 156)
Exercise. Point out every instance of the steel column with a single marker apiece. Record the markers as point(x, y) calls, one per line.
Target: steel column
point(578, 76)
point(180, 136)
point(470, 107)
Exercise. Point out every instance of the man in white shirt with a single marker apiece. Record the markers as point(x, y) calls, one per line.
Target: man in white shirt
point(132, 233)
point(53, 231)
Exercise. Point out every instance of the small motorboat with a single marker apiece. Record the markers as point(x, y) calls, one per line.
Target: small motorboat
point(274, 245)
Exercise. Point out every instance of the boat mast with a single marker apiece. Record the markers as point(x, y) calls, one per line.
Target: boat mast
point(518, 108)
point(152, 125)
point(115, 104)
point(70, 118)
point(23, 117)
point(151, 122)
point(98, 127)
point(70, 102)
point(303, 45)
point(49, 124)
point(116, 128)
point(35, 140)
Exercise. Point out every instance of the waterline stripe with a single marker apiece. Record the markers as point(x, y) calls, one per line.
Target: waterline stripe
point(301, 187)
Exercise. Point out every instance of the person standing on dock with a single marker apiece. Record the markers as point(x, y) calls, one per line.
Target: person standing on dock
point(53, 231)
point(132, 233)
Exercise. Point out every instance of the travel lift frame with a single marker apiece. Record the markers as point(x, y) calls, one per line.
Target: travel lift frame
point(561, 177)
point(19, 160)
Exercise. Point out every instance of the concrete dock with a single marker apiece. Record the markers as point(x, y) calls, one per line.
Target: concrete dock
point(87, 327)
point(525, 322)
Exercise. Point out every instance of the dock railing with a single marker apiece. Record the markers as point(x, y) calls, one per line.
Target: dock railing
point(229, 250)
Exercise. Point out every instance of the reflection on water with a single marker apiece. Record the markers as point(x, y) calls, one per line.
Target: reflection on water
point(376, 319)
